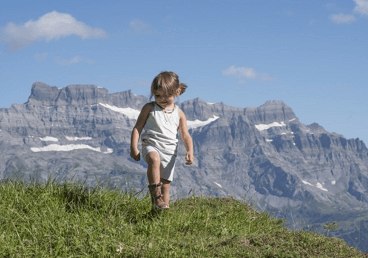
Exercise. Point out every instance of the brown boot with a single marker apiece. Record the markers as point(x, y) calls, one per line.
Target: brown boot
point(156, 196)
point(165, 189)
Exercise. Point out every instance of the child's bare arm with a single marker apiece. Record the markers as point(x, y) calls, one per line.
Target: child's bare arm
point(141, 121)
point(186, 138)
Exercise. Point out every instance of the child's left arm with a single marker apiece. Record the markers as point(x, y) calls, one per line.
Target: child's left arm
point(186, 138)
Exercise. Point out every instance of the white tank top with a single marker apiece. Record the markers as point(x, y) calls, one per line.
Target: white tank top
point(161, 130)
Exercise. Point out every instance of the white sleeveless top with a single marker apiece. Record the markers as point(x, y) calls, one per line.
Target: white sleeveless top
point(161, 130)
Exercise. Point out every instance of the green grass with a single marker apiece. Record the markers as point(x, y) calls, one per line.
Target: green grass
point(69, 220)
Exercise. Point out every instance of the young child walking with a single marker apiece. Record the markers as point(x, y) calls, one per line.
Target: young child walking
point(161, 121)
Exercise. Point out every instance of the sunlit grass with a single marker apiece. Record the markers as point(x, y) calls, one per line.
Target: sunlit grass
point(70, 220)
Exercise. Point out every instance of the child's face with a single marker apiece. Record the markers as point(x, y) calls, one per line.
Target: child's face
point(162, 100)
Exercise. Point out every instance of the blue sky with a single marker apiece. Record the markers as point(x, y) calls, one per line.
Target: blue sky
point(311, 54)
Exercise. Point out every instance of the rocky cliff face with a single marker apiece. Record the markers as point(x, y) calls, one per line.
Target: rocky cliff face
point(264, 154)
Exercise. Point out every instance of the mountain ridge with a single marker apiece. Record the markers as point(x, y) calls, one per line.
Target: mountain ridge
point(265, 153)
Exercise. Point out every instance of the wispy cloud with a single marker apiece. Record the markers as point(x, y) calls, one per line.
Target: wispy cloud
point(139, 27)
point(246, 72)
point(90, 62)
point(41, 56)
point(342, 18)
point(240, 72)
point(361, 7)
point(51, 26)
point(74, 60)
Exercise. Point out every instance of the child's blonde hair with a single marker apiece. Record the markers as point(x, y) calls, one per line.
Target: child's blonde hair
point(169, 82)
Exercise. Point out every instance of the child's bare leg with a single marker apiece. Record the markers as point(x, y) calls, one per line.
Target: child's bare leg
point(153, 171)
point(165, 190)
point(153, 175)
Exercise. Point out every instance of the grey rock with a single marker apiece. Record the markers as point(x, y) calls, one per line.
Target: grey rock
point(263, 155)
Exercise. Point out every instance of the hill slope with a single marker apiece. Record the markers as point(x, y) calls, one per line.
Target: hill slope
point(69, 220)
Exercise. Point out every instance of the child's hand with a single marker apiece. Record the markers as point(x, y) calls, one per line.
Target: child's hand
point(189, 158)
point(135, 154)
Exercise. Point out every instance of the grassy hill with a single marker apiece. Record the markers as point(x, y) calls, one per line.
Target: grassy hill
point(70, 220)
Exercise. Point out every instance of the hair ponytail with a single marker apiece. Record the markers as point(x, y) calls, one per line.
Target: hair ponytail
point(182, 87)
point(169, 83)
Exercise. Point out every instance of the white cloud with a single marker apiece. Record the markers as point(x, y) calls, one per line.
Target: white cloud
point(240, 72)
point(361, 7)
point(140, 27)
point(342, 18)
point(51, 26)
point(74, 60)
point(41, 56)
point(246, 72)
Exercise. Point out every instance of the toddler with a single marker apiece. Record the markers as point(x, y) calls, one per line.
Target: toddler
point(161, 120)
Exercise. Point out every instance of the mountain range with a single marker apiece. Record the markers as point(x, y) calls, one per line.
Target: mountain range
point(263, 155)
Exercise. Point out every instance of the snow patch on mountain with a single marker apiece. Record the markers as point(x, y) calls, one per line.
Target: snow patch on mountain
point(218, 184)
point(129, 112)
point(198, 123)
point(306, 183)
point(49, 139)
point(78, 138)
point(320, 186)
point(262, 127)
point(69, 147)
point(133, 114)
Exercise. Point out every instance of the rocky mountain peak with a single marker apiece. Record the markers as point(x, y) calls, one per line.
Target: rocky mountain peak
point(197, 108)
point(316, 128)
point(202, 110)
point(81, 95)
point(274, 102)
point(44, 94)
point(270, 112)
point(83, 132)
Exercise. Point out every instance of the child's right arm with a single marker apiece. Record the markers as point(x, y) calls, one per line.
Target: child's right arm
point(141, 121)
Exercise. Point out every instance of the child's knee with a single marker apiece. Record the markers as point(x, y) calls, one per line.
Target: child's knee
point(153, 158)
